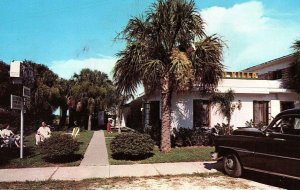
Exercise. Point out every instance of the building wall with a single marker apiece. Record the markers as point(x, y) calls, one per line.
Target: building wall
point(246, 91)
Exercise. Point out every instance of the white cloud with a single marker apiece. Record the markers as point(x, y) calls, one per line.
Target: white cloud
point(67, 68)
point(252, 37)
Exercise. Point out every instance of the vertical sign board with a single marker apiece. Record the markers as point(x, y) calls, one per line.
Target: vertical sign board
point(26, 92)
point(15, 69)
point(16, 102)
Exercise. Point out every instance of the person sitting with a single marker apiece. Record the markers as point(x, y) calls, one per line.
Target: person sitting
point(8, 136)
point(42, 133)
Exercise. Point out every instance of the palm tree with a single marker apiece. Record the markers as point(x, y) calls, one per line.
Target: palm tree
point(226, 107)
point(295, 69)
point(167, 50)
point(92, 89)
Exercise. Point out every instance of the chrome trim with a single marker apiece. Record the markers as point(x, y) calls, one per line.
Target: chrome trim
point(238, 149)
point(264, 154)
point(274, 155)
point(273, 173)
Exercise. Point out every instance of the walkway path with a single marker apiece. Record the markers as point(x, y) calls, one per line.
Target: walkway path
point(96, 153)
point(87, 172)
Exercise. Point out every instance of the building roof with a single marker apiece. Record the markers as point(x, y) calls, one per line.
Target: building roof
point(280, 60)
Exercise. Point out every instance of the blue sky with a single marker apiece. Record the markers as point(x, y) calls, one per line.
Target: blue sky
point(69, 35)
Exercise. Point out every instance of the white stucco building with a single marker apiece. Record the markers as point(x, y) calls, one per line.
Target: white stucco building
point(258, 90)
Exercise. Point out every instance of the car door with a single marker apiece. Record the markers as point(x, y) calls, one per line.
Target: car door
point(278, 152)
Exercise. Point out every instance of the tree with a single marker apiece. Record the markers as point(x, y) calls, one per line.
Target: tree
point(4, 85)
point(167, 50)
point(93, 91)
point(64, 87)
point(226, 107)
point(293, 80)
point(44, 92)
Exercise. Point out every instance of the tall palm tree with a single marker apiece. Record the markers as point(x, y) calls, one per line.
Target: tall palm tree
point(93, 90)
point(293, 79)
point(167, 50)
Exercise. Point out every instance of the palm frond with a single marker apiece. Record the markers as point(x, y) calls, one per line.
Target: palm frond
point(207, 59)
point(128, 72)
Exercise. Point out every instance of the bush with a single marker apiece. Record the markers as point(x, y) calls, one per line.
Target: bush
point(188, 137)
point(261, 125)
point(224, 129)
point(58, 146)
point(132, 146)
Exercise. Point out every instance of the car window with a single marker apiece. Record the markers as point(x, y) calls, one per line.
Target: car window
point(297, 124)
point(287, 125)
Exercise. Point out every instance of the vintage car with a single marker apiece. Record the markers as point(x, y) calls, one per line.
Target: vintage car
point(274, 150)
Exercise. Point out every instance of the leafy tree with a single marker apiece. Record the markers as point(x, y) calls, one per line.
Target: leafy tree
point(93, 91)
point(44, 93)
point(226, 107)
point(5, 84)
point(167, 50)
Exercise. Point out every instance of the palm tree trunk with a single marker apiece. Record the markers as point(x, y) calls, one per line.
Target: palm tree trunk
point(90, 122)
point(63, 116)
point(228, 125)
point(166, 115)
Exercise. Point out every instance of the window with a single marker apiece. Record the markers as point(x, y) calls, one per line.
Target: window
point(286, 105)
point(201, 113)
point(287, 125)
point(261, 112)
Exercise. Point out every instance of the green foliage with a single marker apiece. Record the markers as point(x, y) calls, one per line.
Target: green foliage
point(131, 146)
point(261, 125)
point(92, 90)
point(224, 128)
point(189, 137)
point(168, 41)
point(293, 78)
point(226, 107)
point(58, 146)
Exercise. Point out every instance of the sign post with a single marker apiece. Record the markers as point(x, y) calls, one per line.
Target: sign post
point(16, 102)
point(22, 130)
point(21, 74)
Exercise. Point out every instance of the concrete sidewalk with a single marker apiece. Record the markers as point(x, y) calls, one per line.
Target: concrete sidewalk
point(96, 153)
point(95, 165)
point(87, 172)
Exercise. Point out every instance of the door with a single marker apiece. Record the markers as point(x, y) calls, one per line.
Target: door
point(279, 151)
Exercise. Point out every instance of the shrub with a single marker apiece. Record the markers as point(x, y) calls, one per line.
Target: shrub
point(261, 125)
point(188, 137)
point(58, 146)
point(224, 129)
point(132, 146)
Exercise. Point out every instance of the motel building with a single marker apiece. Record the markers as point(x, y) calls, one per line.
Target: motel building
point(257, 89)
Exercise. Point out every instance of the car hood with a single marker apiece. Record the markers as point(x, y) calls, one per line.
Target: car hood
point(248, 131)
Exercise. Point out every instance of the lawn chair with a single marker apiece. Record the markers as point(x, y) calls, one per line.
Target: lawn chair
point(75, 132)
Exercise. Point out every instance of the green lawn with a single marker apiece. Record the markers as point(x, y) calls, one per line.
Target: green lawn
point(9, 158)
point(188, 154)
